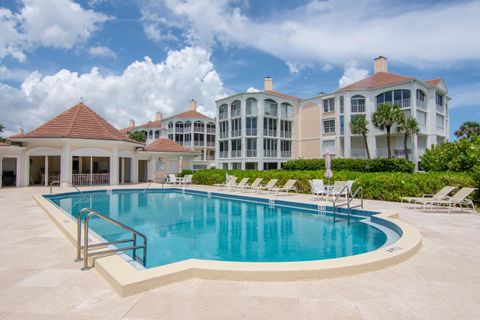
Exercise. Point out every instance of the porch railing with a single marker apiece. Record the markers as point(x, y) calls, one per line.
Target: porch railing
point(87, 179)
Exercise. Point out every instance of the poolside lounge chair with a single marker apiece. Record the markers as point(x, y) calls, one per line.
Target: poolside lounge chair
point(459, 198)
point(440, 195)
point(187, 180)
point(270, 184)
point(254, 184)
point(287, 187)
point(337, 188)
point(318, 188)
point(242, 184)
point(171, 179)
point(230, 181)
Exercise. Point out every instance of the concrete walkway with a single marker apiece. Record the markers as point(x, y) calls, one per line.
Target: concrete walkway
point(39, 280)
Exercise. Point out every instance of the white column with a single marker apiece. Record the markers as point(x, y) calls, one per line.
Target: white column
point(1, 171)
point(66, 166)
point(46, 171)
point(414, 155)
point(260, 118)
point(347, 137)
point(123, 170)
point(114, 166)
point(134, 170)
point(19, 171)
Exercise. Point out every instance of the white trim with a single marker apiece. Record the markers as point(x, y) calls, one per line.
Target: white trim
point(43, 151)
point(91, 152)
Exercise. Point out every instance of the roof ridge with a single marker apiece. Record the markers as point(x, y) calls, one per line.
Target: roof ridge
point(72, 124)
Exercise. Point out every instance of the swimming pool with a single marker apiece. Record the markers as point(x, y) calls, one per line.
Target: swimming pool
point(183, 224)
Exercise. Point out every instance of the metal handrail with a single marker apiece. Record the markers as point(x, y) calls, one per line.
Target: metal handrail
point(149, 183)
point(86, 245)
point(345, 188)
point(349, 198)
point(361, 199)
point(60, 181)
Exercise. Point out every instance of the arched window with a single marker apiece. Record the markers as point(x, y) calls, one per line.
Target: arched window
point(421, 99)
point(399, 97)
point(235, 109)
point(170, 124)
point(270, 108)
point(199, 126)
point(188, 126)
point(358, 104)
point(210, 127)
point(223, 112)
point(178, 126)
point(286, 111)
point(251, 107)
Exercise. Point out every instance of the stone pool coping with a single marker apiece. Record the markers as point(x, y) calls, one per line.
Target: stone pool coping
point(127, 280)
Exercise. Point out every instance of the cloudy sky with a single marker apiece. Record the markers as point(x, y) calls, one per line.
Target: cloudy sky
point(130, 59)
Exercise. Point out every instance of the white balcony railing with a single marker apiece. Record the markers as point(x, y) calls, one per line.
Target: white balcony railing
point(358, 154)
point(269, 133)
point(440, 108)
point(199, 143)
point(210, 143)
point(94, 179)
point(236, 133)
point(178, 130)
point(222, 116)
point(170, 130)
point(251, 132)
point(211, 130)
point(223, 135)
point(236, 153)
point(251, 153)
point(187, 129)
point(270, 153)
point(396, 153)
point(286, 154)
point(285, 134)
point(235, 113)
point(223, 154)
point(403, 103)
point(422, 104)
point(199, 129)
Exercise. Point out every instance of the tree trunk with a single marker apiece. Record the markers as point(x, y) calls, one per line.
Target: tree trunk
point(405, 149)
point(389, 151)
point(366, 145)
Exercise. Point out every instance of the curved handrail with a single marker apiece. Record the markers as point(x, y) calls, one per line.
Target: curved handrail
point(91, 213)
point(60, 181)
point(360, 188)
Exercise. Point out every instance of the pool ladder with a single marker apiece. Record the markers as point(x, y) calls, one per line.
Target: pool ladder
point(349, 197)
point(60, 181)
point(87, 247)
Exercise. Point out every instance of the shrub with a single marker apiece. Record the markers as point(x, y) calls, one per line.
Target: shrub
point(460, 155)
point(185, 172)
point(389, 186)
point(360, 165)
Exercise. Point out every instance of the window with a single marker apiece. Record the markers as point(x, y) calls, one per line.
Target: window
point(235, 109)
point(329, 105)
point(270, 108)
point(286, 111)
point(251, 109)
point(199, 126)
point(223, 146)
point(342, 125)
point(329, 126)
point(236, 148)
point(285, 129)
point(286, 148)
point(358, 104)
point(251, 125)
point(342, 103)
point(251, 147)
point(397, 97)
point(440, 121)
point(236, 127)
point(223, 112)
point(421, 99)
point(270, 147)
point(270, 127)
point(421, 118)
point(160, 165)
point(328, 146)
point(439, 99)
point(223, 128)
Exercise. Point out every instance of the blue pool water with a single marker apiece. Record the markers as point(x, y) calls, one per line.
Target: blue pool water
point(182, 225)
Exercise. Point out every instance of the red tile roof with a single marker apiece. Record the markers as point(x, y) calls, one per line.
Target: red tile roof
point(165, 145)
point(376, 80)
point(151, 124)
point(190, 114)
point(434, 82)
point(78, 122)
point(282, 95)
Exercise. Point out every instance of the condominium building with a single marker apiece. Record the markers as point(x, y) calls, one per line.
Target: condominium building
point(190, 129)
point(308, 128)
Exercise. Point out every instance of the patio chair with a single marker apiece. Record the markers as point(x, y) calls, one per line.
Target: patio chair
point(287, 187)
point(242, 184)
point(459, 198)
point(337, 188)
point(171, 179)
point(440, 195)
point(187, 180)
point(230, 180)
point(318, 188)
point(254, 184)
point(270, 184)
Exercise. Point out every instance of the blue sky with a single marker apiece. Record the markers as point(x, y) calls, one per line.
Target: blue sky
point(52, 52)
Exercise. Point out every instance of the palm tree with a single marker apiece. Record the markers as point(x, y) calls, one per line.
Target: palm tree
point(468, 129)
point(359, 124)
point(386, 116)
point(409, 126)
point(1, 127)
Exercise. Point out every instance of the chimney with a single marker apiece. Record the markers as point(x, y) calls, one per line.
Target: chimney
point(158, 116)
point(131, 123)
point(21, 131)
point(267, 84)
point(192, 105)
point(380, 64)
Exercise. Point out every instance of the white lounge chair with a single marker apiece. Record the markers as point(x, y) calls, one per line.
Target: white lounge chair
point(270, 184)
point(440, 195)
point(458, 199)
point(242, 184)
point(287, 187)
point(254, 184)
point(171, 179)
point(187, 180)
point(318, 188)
point(337, 188)
point(230, 180)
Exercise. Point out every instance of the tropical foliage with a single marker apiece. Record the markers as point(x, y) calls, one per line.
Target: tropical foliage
point(137, 136)
point(385, 118)
point(408, 126)
point(359, 125)
point(468, 129)
point(360, 165)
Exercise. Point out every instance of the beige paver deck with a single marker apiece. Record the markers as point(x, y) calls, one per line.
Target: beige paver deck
point(39, 280)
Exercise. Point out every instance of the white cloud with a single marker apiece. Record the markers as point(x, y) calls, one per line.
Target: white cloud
point(101, 51)
point(351, 74)
point(13, 74)
point(142, 89)
point(253, 89)
point(404, 32)
point(46, 23)
point(327, 67)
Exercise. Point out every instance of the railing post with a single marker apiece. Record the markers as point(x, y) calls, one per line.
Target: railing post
point(85, 243)
point(134, 253)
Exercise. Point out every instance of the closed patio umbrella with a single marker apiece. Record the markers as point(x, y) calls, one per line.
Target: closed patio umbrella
point(328, 163)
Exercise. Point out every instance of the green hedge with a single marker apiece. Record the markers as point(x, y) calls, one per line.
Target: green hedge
point(389, 186)
point(361, 165)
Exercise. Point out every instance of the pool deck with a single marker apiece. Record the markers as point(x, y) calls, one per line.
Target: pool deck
point(39, 280)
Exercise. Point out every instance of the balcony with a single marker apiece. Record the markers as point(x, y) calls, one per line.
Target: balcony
point(403, 103)
point(222, 116)
point(286, 134)
point(236, 153)
point(179, 130)
point(251, 153)
point(210, 143)
point(236, 133)
point(211, 130)
point(286, 154)
point(223, 135)
point(199, 129)
point(235, 113)
point(396, 153)
point(223, 154)
point(199, 143)
point(269, 133)
point(440, 109)
point(251, 132)
point(187, 129)
point(422, 104)
point(270, 153)
point(170, 130)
